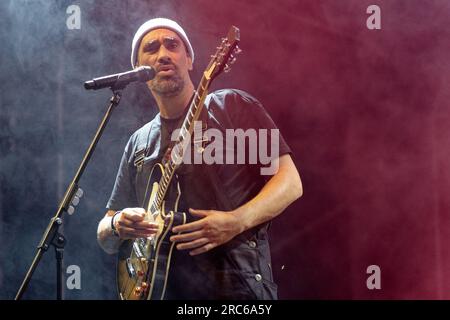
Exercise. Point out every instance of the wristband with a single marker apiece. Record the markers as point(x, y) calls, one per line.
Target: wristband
point(113, 227)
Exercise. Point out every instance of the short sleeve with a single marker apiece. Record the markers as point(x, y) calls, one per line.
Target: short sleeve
point(246, 124)
point(240, 110)
point(249, 113)
point(124, 194)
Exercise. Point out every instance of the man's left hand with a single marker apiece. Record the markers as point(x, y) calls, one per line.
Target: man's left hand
point(213, 229)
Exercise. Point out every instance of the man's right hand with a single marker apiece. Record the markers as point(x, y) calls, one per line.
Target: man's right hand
point(130, 224)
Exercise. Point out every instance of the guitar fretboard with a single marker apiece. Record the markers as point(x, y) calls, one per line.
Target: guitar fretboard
point(179, 148)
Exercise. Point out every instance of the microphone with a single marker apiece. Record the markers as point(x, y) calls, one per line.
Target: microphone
point(121, 80)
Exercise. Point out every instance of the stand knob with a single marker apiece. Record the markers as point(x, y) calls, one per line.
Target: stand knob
point(77, 196)
point(79, 193)
point(75, 201)
point(71, 210)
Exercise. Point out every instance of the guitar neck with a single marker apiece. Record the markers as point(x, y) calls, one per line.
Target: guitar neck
point(185, 132)
point(194, 110)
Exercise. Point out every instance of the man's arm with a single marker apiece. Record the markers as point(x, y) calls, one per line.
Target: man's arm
point(277, 194)
point(105, 238)
point(216, 228)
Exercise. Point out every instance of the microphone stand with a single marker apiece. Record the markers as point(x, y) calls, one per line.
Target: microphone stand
point(52, 235)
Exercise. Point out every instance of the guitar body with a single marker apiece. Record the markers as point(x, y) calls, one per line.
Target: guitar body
point(143, 264)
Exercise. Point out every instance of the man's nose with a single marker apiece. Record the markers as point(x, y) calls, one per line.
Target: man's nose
point(163, 55)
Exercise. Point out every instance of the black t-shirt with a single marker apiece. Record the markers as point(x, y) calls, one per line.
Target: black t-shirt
point(240, 268)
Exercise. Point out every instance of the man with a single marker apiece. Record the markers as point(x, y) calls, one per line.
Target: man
point(222, 251)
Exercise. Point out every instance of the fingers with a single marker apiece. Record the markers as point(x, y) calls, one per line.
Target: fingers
point(192, 226)
point(134, 214)
point(140, 225)
point(192, 244)
point(196, 225)
point(202, 249)
point(199, 243)
point(193, 236)
point(130, 224)
point(130, 233)
point(186, 236)
point(199, 213)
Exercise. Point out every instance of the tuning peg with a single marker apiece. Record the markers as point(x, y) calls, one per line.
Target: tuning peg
point(233, 60)
point(237, 50)
point(227, 68)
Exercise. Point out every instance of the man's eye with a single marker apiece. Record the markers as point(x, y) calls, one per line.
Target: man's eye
point(151, 47)
point(172, 44)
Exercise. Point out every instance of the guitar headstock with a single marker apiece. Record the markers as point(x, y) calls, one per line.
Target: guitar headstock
point(225, 55)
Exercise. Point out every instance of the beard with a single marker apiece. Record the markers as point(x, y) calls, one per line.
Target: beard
point(168, 86)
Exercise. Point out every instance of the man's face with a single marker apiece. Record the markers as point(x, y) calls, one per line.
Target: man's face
point(163, 50)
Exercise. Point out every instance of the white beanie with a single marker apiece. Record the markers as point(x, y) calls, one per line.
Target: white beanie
point(158, 23)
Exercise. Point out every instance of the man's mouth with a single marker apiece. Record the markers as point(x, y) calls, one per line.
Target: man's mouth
point(164, 70)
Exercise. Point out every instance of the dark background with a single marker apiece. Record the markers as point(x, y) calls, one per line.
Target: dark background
point(365, 112)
